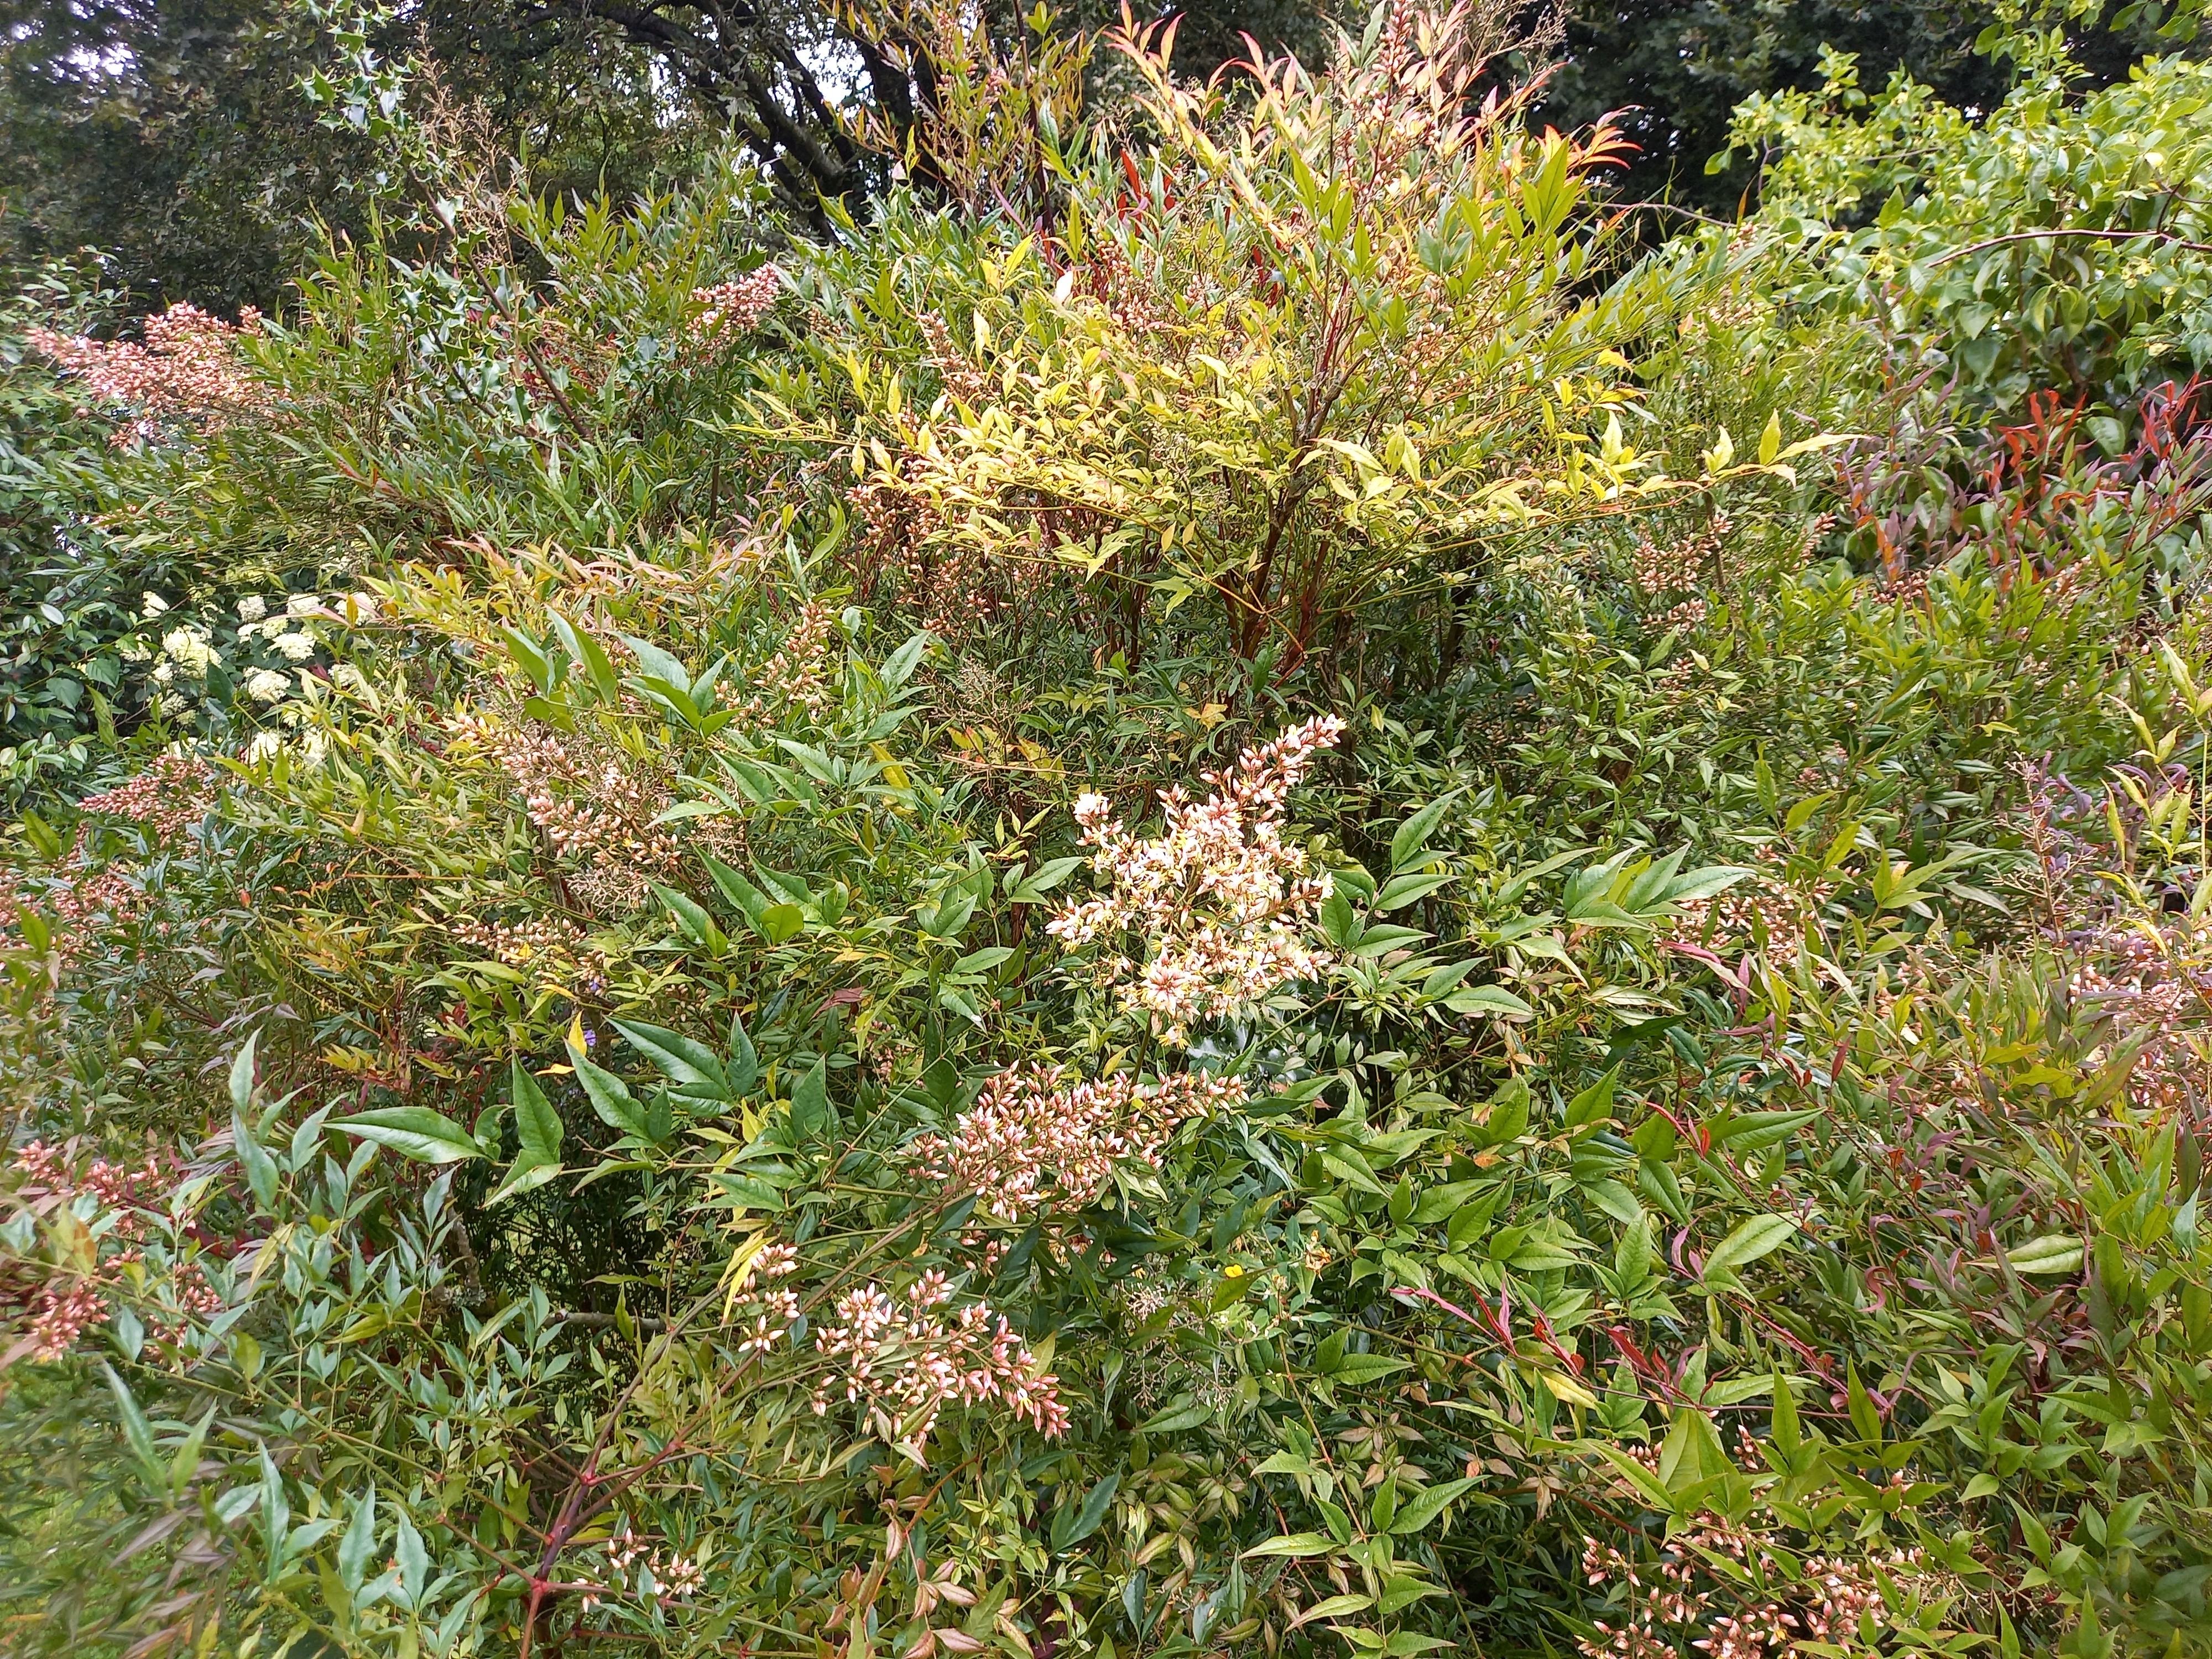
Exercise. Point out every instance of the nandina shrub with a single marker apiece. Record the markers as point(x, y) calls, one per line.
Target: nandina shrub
point(751, 1066)
point(1296, 371)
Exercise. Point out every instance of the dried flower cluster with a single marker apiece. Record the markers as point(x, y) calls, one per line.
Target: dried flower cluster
point(1678, 1600)
point(798, 676)
point(90, 905)
point(773, 1312)
point(1220, 901)
point(1682, 571)
point(660, 1573)
point(2148, 976)
point(1030, 1139)
point(551, 950)
point(59, 1303)
point(954, 586)
point(175, 793)
point(187, 370)
point(904, 1363)
point(1765, 905)
point(965, 380)
point(590, 807)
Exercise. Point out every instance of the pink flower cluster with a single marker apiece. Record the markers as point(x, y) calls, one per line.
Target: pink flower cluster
point(773, 1312)
point(1679, 1596)
point(1028, 1138)
point(171, 795)
point(60, 1305)
point(728, 309)
point(673, 1574)
point(1221, 902)
point(905, 1362)
point(187, 370)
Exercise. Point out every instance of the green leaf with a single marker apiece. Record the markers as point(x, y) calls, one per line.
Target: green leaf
point(982, 961)
point(1508, 1119)
point(748, 900)
point(1297, 1546)
point(609, 1096)
point(138, 1434)
point(1356, 1368)
point(1031, 889)
point(2054, 1252)
point(1339, 922)
point(359, 1539)
point(1759, 1236)
point(415, 1131)
point(779, 922)
point(658, 663)
point(1755, 1131)
point(1638, 1477)
point(253, 1158)
point(1493, 1001)
point(1334, 1606)
point(1172, 1418)
point(526, 1175)
point(1866, 1416)
point(1426, 1505)
point(899, 667)
point(536, 1123)
point(1691, 1454)
point(1785, 1429)
point(1402, 889)
point(744, 1070)
point(275, 1515)
point(1088, 1518)
point(681, 1059)
point(1594, 1103)
point(242, 1077)
point(592, 655)
point(810, 1102)
point(414, 1559)
point(1405, 1644)
point(1413, 835)
point(186, 1462)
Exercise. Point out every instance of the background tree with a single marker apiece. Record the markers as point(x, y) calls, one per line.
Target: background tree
point(1672, 71)
point(171, 136)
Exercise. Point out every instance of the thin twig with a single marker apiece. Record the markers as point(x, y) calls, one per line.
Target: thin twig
point(2093, 235)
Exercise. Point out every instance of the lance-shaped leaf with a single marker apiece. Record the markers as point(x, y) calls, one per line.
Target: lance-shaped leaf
point(415, 1131)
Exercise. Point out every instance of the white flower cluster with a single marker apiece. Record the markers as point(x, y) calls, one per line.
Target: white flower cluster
point(190, 649)
point(1219, 901)
point(905, 1362)
point(1030, 1137)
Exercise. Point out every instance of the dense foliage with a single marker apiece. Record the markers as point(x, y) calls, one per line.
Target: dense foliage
point(1228, 888)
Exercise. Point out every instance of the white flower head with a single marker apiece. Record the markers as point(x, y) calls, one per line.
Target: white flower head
point(267, 685)
point(300, 605)
point(1224, 904)
point(294, 647)
point(134, 649)
point(275, 626)
point(171, 704)
point(252, 608)
point(154, 603)
point(264, 746)
point(347, 677)
point(189, 649)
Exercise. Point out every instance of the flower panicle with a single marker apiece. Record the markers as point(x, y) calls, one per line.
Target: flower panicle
point(1222, 902)
point(1032, 1138)
point(904, 1361)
